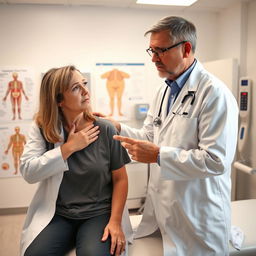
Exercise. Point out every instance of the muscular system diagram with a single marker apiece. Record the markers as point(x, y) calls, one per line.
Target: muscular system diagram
point(16, 143)
point(15, 89)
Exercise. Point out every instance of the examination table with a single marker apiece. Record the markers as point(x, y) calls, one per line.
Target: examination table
point(243, 216)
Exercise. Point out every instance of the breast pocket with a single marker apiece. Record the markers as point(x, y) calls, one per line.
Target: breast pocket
point(184, 132)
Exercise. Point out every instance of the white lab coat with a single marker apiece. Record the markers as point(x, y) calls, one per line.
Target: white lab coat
point(47, 168)
point(188, 197)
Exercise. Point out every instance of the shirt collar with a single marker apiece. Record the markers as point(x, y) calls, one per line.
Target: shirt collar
point(182, 79)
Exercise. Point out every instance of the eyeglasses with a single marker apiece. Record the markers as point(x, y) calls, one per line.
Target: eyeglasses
point(160, 51)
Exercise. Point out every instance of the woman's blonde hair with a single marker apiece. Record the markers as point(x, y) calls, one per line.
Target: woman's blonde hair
point(49, 116)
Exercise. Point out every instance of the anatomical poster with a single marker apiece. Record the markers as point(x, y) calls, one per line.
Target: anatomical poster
point(13, 138)
point(17, 94)
point(118, 87)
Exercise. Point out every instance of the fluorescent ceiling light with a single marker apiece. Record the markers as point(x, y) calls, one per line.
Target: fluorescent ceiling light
point(167, 2)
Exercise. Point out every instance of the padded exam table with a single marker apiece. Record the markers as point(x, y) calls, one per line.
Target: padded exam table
point(243, 216)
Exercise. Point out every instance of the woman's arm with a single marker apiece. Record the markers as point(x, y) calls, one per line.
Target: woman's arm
point(119, 196)
point(37, 164)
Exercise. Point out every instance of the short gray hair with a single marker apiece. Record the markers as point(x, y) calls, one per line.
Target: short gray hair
point(180, 29)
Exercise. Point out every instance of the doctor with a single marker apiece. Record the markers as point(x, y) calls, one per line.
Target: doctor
point(190, 132)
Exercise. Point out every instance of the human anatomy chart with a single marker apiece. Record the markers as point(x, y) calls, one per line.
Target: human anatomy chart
point(117, 87)
point(13, 138)
point(17, 107)
point(17, 94)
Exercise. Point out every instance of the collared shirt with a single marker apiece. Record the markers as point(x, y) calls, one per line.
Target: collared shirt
point(177, 85)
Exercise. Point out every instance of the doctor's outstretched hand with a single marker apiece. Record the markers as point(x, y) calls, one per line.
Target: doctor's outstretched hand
point(140, 150)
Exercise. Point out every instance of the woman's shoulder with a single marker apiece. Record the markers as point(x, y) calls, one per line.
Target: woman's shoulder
point(34, 126)
point(106, 124)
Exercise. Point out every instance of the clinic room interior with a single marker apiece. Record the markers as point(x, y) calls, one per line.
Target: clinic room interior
point(102, 35)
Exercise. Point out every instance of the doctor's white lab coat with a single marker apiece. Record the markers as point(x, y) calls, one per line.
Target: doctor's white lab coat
point(47, 169)
point(188, 196)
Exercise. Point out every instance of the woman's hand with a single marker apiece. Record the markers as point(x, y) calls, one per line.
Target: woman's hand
point(79, 140)
point(117, 238)
point(83, 138)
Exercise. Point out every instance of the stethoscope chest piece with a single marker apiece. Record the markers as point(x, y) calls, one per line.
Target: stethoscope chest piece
point(157, 121)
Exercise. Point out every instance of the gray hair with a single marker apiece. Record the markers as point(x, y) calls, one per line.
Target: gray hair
point(180, 29)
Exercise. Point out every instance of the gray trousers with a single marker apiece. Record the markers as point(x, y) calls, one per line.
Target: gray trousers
point(62, 235)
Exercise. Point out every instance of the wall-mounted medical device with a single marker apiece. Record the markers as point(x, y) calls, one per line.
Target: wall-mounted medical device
point(244, 111)
point(141, 111)
point(245, 85)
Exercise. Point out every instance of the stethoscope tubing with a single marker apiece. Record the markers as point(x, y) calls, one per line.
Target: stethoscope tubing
point(157, 121)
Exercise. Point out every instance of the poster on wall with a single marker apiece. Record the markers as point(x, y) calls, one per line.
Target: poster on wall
point(17, 94)
point(118, 87)
point(13, 138)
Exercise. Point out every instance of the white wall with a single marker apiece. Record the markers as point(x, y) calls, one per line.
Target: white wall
point(237, 37)
point(43, 37)
point(48, 36)
point(246, 185)
point(232, 34)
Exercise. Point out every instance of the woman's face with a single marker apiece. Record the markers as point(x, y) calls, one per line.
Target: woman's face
point(76, 98)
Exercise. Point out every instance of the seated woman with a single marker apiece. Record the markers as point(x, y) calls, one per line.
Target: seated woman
point(81, 173)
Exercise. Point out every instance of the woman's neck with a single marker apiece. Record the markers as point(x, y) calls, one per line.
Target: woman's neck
point(78, 120)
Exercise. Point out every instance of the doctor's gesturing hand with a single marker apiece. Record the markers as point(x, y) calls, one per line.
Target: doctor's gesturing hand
point(140, 150)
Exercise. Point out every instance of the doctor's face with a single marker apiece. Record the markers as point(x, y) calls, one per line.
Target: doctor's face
point(170, 63)
point(76, 98)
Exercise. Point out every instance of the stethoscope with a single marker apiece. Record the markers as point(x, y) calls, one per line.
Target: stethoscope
point(158, 121)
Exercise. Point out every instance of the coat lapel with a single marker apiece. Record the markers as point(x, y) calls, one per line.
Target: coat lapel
point(191, 85)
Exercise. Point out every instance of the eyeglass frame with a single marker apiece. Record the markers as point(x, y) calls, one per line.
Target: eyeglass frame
point(150, 51)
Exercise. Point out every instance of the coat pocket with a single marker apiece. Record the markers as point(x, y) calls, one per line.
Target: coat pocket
point(184, 132)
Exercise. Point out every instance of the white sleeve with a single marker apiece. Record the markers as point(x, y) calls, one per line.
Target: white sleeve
point(37, 164)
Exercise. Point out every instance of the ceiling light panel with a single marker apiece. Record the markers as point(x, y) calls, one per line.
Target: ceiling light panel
point(167, 2)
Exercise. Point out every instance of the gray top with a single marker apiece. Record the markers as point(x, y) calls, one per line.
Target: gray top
point(86, 189)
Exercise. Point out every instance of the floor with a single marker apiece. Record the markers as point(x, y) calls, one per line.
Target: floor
point(10, 229)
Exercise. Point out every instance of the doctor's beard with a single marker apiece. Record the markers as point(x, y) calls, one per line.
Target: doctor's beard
point(163, 73)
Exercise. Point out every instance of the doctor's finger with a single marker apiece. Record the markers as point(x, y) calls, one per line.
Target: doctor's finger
point(124, 139)
point(127, 145)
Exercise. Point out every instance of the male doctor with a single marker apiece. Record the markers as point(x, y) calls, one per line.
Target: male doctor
point(190, 132)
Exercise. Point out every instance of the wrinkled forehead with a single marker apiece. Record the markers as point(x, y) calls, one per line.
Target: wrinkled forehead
point(77, 77)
